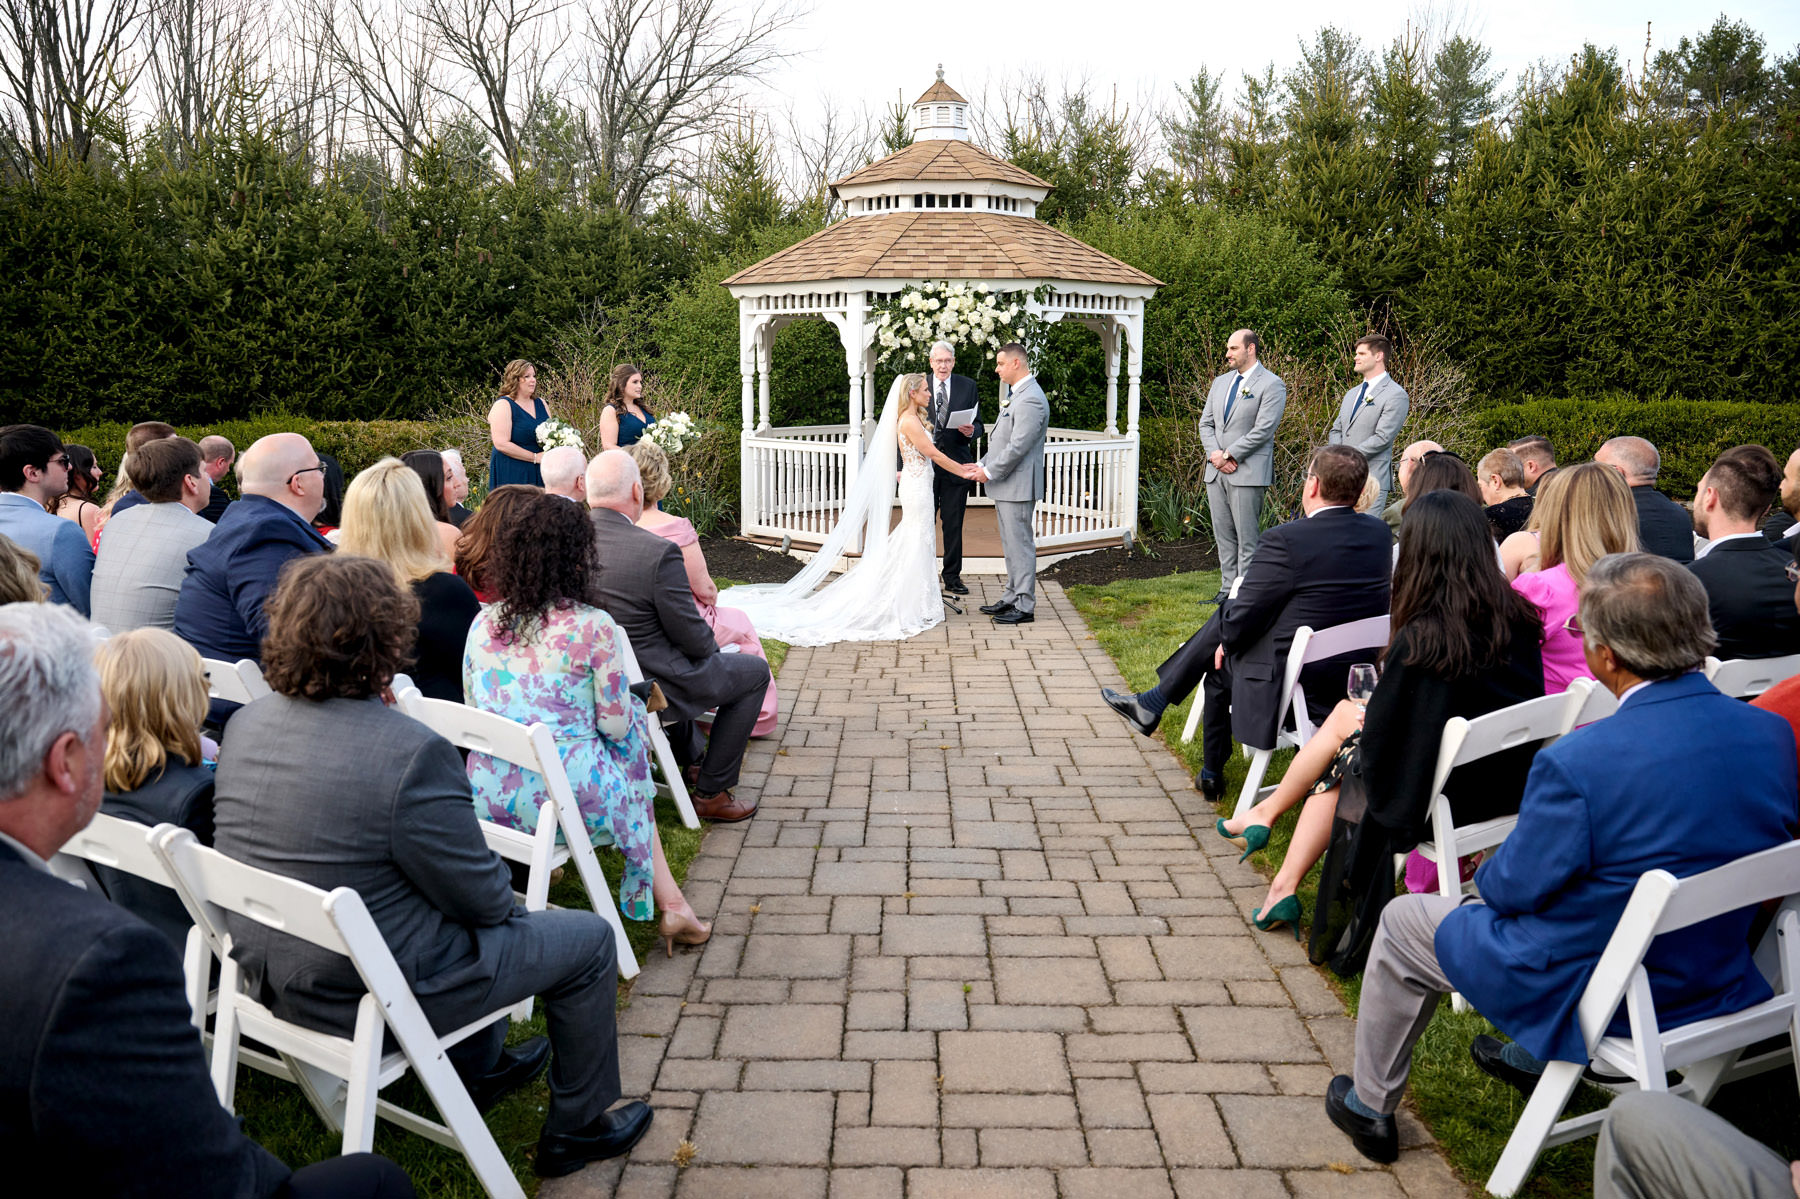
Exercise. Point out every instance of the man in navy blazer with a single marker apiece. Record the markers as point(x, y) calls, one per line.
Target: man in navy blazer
point(1744, 573)
point(103, 1083)
point(1602, 807)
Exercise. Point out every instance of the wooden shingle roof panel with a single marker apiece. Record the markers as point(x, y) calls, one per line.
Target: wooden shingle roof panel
point(949, 160)
point(940, 92)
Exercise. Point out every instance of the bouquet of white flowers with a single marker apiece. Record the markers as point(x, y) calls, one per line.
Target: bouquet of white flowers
point(554, 434)
point(673, 433)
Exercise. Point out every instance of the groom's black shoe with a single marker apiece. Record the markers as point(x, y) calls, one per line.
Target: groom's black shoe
point(1377, 1139)
point(994, 609)
point(1013, 616)
point(955, 586)
point(1136, 714)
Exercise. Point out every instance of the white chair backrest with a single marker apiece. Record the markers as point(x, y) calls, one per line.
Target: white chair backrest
point(218, 885)
point(1370, 633)
point(224, 682)
point(115, 842)
point(1595, 703)
point(1743, 677)
point(528, 746)
point(1467, 740)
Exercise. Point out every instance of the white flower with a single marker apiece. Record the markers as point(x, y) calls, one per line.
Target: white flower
point(962, 329)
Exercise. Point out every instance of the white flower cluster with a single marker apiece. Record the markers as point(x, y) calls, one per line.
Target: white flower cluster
point(554, 434)
point(673, 433)
point(954, 312)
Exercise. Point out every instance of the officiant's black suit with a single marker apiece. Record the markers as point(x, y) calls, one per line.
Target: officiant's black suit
point(951, 492)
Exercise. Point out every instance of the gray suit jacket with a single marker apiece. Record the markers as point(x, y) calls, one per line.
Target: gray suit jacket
point(1015, 457)
point(352, 793)
point(143, 558)
point(1249, 436)
point(1376, 426)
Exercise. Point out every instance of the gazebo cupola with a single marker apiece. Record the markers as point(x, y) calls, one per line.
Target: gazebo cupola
point(940, 113)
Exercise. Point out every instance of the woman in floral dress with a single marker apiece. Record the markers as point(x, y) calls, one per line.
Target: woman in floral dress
point(540, 654)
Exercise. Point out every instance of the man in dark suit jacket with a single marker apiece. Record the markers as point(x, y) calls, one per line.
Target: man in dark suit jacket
point(103, 1084)
point(1783, 526)
point(642, 584)
point(1602, 807)
point(952, 393)
point(1332, 566)
point(1664, 526)
point(217, 454)
point(1745, 576)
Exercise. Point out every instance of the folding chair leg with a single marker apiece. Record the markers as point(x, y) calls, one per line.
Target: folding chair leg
point(1535, 1124)
point(196, 976)
point(1253, 779)
point(325, 1092)
point(365, 1079)
point(1194, 713)
point(600, 895)
point(665, 758)
point(464, 1123)
point(225, 1038)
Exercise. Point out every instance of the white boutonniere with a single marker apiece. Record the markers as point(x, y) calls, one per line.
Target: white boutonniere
point(1006, 403)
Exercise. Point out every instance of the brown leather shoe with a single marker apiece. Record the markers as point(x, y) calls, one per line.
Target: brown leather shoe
point(723, 808)
point(690, 775)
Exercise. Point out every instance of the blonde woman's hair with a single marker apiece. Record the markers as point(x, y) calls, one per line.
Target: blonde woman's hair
point(19, 579)
point(1584, 513)
point(653, 465)
point(509, 378)
point(155, 684)
point(387, 517)
point(1371, 489)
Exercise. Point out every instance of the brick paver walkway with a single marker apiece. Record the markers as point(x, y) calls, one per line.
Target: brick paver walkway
point(971, 946)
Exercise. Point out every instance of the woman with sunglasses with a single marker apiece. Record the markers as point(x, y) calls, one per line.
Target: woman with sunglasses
point(77, 503)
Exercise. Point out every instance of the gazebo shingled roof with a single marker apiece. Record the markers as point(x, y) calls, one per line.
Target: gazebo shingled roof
point(941, 161)
point(940, 93)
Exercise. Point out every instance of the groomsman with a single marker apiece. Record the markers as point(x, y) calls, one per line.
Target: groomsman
point(1372, 412)
point(952, 393)
point(1237, 430)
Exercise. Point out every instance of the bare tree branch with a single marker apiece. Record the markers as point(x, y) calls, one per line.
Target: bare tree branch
point(508, 55)
point(388, 62)
point(64, 69)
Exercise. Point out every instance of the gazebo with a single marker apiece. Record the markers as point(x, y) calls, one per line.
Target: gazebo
point(942, 209)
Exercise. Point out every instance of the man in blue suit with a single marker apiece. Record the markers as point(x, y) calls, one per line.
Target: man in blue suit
point(1602, 807)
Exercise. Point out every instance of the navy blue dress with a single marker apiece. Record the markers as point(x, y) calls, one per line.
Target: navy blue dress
point(502, 469)
point(631, 428)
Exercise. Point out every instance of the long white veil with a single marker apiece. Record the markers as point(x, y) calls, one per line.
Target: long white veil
point(793, 611)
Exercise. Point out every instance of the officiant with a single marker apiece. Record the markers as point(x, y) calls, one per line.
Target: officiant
point(956, 425)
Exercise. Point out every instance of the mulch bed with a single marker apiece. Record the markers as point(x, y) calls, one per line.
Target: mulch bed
point(730, 558)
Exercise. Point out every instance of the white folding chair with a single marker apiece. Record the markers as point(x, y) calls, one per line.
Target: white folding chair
point(530, 748)
point(1745, 677)
point(1370, 633)
point(1596, 703)
point(236, 683)
point(673, 785)
point(1706, 1050)
point(212, 885)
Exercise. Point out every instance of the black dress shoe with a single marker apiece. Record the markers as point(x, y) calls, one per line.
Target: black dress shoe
point(1136, 714)
point(516, 1067)
point(615, 1132)
point(1212, 788)
point(1218, 599)
point(1013, 616)
point(1486, 1052)
point(994, 609)
point(1377, 1139)
point(955, 587)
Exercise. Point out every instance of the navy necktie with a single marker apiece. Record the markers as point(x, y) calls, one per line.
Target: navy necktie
point(1357, 407)
point(1232, 398)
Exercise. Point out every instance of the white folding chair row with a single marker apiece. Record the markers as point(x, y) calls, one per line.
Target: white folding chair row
point(1707, 1051)
point(530, 748)
point(212, 885)
point(673, 785)
point(235, 683)
point(1745, 677)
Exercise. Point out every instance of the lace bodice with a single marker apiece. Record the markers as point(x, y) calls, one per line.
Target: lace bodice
point(914, 462)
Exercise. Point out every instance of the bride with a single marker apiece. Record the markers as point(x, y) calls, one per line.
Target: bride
point(892, 592)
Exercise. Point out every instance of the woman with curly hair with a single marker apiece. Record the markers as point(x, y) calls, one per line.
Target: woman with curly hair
point(541, 653)
point(626, 416)
point(475, 548)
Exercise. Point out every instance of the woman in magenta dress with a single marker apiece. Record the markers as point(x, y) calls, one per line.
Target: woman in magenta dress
point(730, 626)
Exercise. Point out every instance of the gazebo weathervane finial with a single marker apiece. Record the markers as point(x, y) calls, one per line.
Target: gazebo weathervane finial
point(940, 72)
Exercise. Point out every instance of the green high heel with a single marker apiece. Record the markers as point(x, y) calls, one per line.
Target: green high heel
point(1253, 838)
point(1287, 912)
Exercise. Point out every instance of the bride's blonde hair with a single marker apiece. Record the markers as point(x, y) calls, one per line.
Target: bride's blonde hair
point(910, 384)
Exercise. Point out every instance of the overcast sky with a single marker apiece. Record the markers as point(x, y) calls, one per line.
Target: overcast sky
point(856, 54)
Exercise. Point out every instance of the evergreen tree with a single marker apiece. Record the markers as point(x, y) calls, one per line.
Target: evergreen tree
point(1467, 97)
point(896, 128)
point(1195, 131)
point(741, 194)
point(1250, 146)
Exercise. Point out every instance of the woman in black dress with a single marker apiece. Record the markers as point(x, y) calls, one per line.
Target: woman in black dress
point(512, 424)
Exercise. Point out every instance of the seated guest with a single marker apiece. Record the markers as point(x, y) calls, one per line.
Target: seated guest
point(429, 466)
point(219, 610)
point(730, 626)
point(1536, 456)
point(642, 583)
point(1502, 479)
point(541, 654)
point(1587, 513)
point(1409, 458)
point(323, 782)
point(1664, 526)
point(1783, 698)
point(1782, 525)
point(1654, 1145)
point(34, 470)
point(459, 486)
point(105, 1082)
point(1330, 567)
point(218, 454)
point(331, 509)
point(475, 548)
point(155, 688)
point(144, 556)
point(1747, 588)
point(1440, 470)
point(77, 503)
point(564, 470)
point(1602, 807)
point(387, 518)
point(1462, 643)
point(125, 496)
point(19, 582)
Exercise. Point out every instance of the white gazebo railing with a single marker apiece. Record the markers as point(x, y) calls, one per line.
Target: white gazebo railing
point(1090, 491)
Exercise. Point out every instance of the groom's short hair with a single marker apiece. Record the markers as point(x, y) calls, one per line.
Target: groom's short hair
point(1016, 350)
point(1341, 471)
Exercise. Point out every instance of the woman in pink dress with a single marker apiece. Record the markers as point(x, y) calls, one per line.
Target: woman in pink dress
point(730, 626)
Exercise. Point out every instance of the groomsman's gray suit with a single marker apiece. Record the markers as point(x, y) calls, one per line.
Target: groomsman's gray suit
point(1369, 422)
point(1240, 419)
point(1015, 466)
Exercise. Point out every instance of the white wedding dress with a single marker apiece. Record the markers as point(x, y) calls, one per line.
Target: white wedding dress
point(891, 592)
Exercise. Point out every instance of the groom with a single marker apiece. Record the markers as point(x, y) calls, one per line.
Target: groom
point(1013, 471)
point(952, 393)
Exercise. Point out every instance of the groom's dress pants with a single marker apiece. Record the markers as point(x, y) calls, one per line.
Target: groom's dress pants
point(1020, 543)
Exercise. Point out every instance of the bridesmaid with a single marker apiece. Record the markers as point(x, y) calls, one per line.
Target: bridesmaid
point(512, 424)
point(625, 417)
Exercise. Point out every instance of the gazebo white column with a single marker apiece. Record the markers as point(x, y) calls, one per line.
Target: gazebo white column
point(1134, 371)
point(748, 331)
point(765, 353)
point(1109, 338)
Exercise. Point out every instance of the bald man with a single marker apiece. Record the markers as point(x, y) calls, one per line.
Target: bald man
point(1237, 431)
point(1409, 458)
point(564, 469)
point(1664, 527)
point(1783, 525)
point(220, 609)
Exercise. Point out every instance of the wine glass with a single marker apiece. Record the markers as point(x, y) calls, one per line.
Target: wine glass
point(1362, 683)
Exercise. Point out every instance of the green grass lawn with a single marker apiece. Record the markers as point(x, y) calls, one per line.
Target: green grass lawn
point(1140, 623)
